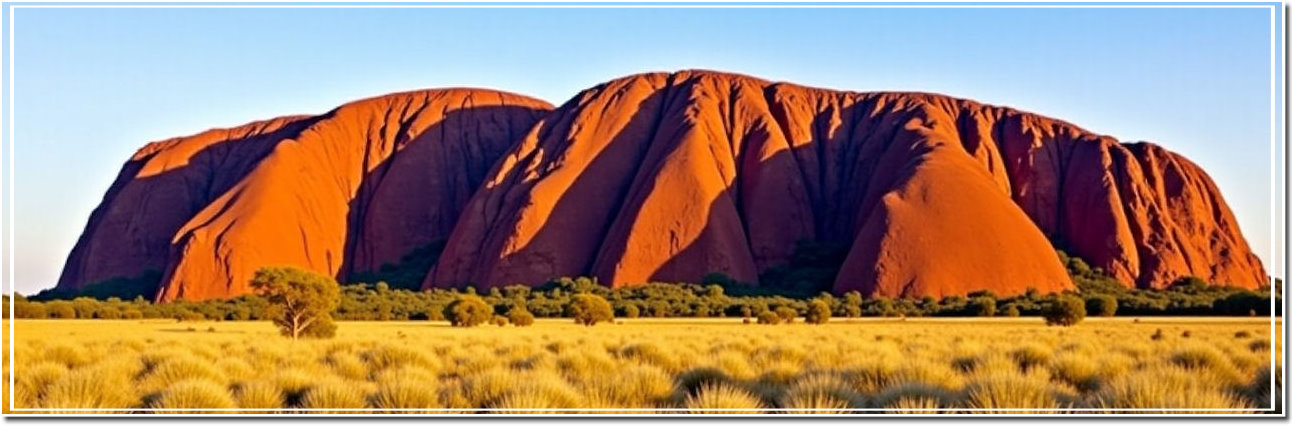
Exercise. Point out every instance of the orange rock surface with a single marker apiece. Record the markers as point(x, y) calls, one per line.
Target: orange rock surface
point(664, 177)
point(668, 177)
point(339, 193)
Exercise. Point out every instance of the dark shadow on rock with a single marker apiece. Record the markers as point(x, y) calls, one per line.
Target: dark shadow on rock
point(168, 199)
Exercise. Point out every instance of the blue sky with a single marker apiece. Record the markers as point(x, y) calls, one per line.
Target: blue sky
point(92, 85)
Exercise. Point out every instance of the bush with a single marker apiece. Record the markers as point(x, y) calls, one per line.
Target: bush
point(786, 314)
point(520, 317)
point(30, 310)
point(769, 317)
point(1010, 310)
point(819, 312)
point(322, 327)
point(589, 309)
point(631, 311)
point(982, 306)
point(468, 311)
point(1064, 311)
point(659, 309)
point(60, 309)
point(1102, 306)
point(500, 320)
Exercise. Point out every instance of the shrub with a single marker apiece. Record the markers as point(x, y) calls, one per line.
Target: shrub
point(301, 302)
point(60, 309)
point(589, 309)
point(1010, 310)
point(500, 320)
point(631, 311)
point(659, 309)
point(982, 306)
point(322, 327)
point(1102, 306)
point(520, 317)
point(785, 313)
point(819, 312)
point(769, 317)
point(468, 311)
point(1064, 311)
point(29, 310)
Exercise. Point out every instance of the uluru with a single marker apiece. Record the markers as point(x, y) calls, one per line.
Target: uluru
point(663, 177)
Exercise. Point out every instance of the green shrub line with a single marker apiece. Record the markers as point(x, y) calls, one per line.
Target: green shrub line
point(717, 296)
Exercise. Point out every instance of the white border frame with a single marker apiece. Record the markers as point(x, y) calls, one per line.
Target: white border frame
point(1277, 258)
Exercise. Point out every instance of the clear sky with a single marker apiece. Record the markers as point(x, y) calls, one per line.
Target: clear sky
point(92, 85)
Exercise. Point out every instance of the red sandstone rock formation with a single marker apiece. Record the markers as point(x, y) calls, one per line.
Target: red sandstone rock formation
point(667, 177)
point(339, 193)
point(664, 177)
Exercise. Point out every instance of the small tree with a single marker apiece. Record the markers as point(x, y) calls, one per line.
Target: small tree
point(1102, 306)
point(468, 310)
point(1010, 310)
point(982, 306)
point(1064, 310)
point(520, 317)
point(819, 312)
point(853, 304)
point(589, 309)
point(300, 302)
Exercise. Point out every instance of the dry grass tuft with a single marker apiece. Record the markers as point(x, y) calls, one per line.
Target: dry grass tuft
point(188, 395)
point(722, 399)
point(1166, 387)
point(334, 394)
point(258, 395)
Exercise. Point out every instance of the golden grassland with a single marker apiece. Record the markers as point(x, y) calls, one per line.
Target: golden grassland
point(1116, 365)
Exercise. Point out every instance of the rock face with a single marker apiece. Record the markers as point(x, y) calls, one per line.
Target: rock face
point(668, 177)
point(339, 193)
point(664, 177)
